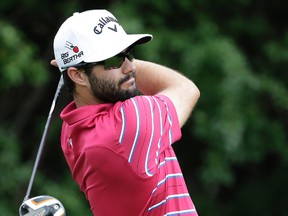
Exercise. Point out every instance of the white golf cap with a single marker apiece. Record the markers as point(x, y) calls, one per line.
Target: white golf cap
point(92, 36)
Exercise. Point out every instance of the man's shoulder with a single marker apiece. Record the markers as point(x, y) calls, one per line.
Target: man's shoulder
point(146, 99)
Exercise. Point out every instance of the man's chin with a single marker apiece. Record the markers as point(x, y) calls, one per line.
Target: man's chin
point(131, 92)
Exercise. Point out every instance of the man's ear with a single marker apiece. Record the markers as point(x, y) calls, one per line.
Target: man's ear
point(53, 63)
point(78, 76)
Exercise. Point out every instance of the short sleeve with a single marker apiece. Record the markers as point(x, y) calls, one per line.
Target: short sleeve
point(147, 125)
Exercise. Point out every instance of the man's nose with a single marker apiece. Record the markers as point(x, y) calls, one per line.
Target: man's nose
point(128, 66)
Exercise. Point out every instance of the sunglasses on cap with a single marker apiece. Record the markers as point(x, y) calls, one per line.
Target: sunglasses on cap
point(111, 63)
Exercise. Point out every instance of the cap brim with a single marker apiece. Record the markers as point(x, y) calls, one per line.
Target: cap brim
point(119, 45)
point(144, 39)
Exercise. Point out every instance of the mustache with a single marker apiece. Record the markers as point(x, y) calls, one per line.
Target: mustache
point(126, 78)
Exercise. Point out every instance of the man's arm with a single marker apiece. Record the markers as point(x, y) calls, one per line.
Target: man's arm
point(155, 79)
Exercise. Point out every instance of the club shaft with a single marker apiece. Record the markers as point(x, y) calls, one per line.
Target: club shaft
point(44, 136)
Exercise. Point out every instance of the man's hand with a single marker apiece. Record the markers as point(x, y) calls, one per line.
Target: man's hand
point(53, 63)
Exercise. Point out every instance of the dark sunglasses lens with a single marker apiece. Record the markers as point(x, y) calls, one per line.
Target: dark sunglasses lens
point(114, 62)
point(117, 61)
point(130, 56)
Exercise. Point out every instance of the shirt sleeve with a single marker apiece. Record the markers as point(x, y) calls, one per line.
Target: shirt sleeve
point(147, 125)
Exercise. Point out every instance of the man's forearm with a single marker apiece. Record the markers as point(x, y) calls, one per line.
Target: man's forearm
point(155, 79)
point(152, 78)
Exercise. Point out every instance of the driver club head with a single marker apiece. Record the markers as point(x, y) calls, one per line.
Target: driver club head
point(42, 206)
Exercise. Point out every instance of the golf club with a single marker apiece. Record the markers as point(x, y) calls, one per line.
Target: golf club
point(42, 205)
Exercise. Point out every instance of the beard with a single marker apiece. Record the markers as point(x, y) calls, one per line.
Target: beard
point(109, 92)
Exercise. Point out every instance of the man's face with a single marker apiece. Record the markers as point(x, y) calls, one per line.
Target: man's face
point(114, 85)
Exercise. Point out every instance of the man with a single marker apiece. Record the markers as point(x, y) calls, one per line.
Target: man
point(116, 141)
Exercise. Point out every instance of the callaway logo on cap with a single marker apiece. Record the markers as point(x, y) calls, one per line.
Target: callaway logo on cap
point(92, 36)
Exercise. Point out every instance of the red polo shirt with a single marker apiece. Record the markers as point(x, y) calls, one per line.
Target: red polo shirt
point(121, 157)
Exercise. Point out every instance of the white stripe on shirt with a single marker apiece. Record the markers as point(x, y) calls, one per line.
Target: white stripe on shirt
point(151, 139)
point(137, 130)
point(161, 130)
point(173, 196)
point(180, 212)
point(174, 175)
point(123, 124)
point(166, 159)
point(169, 120)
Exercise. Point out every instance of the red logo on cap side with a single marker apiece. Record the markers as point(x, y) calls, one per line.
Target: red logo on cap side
point(70, 46)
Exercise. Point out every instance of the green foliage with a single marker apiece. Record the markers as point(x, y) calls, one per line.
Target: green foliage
point(18, 59)
point(13, 172)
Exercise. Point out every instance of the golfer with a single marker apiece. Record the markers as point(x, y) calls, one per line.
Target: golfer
point(118, 132)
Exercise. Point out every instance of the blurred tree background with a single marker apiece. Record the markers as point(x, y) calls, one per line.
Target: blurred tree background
point(234, 150)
